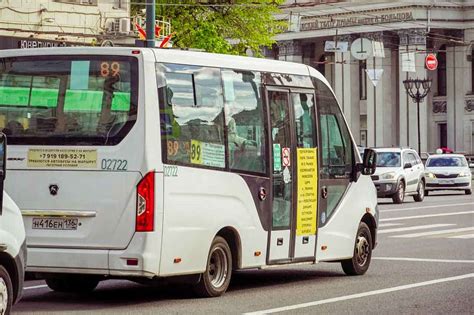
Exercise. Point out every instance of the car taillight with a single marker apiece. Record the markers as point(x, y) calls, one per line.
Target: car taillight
point(146, 203)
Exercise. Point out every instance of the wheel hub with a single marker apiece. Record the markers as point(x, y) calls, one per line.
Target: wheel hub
point(218, 266)
point(362, 250)
point(3, 297)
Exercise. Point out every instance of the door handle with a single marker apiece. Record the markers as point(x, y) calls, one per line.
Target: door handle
point(324, 192)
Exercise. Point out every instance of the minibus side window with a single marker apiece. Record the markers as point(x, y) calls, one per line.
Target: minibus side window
point(244, 121)
point(192, 117)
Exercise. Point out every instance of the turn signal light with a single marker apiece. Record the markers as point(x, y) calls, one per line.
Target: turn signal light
point(145, 216)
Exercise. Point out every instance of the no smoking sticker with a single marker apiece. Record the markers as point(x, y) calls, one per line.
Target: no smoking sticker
point(285, 156)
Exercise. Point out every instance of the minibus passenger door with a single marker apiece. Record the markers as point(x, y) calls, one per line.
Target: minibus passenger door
point(282, 176)
point(306, 166)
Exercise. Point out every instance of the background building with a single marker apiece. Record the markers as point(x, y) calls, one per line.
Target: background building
point(50, 23)
point(385, 115)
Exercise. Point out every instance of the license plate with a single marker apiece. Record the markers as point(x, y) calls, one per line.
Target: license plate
point(446, 181)
point(55, 223)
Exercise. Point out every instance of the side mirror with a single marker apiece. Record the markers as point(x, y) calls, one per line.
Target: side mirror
point(3, 165)
point(407, 165)
point(369, 162)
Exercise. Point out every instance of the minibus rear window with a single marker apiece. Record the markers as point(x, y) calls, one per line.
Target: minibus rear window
point(68, 100)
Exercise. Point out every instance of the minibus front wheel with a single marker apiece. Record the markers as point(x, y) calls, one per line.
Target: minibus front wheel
point(215, 280)
point(360, 261)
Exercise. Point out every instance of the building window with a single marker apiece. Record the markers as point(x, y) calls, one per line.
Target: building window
point(441, 73)
point(362, 80)
point(308, 54)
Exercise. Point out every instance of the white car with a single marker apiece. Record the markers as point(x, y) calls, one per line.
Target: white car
point(12, 245)
point(399, 173)
point(448, 172)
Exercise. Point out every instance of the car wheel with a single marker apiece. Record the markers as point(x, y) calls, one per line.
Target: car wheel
point(468, 191)
point(73, 284)
point(215, 280)
point(420, 193)
point(360, 261)
point(399, 195)
point(6, 292)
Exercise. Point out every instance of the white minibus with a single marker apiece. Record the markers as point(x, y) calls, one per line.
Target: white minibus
point(143, 163)
point(12, 243)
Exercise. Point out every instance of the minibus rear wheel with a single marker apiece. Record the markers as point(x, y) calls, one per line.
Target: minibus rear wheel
point(360, 261)
point(6, 291)
point(72, 283)
point(215, 280)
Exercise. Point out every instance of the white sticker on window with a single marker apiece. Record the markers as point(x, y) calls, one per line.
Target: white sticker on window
point(213, 154)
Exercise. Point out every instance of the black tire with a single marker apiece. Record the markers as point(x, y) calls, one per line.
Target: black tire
point(420, 192)
point(399, 195)
point(427, 192)
point(360, 261)
point(6, 292)
point(72, 284)
point(468, 192)
point(215, 280)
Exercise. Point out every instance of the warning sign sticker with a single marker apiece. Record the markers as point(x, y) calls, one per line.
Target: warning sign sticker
point(62, 158)
point(307, 191)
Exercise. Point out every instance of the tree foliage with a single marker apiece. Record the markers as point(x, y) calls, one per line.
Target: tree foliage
point(229, 27)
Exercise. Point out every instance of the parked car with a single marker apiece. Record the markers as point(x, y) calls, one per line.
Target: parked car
point(448, 172)
point(12, 244)
point(399, 173)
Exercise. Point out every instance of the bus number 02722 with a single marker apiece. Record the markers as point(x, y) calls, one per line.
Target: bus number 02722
point(114, 164)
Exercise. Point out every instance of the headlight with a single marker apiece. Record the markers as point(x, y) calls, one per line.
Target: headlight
point(463, 174)
point(430, 175)
point(390, 175)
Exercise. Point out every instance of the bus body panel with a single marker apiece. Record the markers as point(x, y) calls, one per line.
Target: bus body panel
point(340, 232)
point(192, 199)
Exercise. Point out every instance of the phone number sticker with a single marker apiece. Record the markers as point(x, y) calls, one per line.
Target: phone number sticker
point(62, 158)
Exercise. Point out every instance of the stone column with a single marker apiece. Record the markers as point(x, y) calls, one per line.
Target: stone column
point(457, 88)
point(412, 41)
point(346, 87)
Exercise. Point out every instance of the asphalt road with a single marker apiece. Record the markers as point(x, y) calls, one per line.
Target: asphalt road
point(424, 264)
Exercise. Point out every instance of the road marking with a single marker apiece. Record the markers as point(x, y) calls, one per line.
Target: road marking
point(360, 295)
point(428, 207)
point(465, 236)
point(435, 232)
point(389, 224)
point(36, 287)
point(451, 261)
point(411, 228)
point(426, 216)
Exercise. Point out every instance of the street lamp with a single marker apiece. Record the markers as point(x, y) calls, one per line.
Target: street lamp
point(417, 89)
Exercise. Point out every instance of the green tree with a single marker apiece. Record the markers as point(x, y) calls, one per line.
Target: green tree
point(220, 26)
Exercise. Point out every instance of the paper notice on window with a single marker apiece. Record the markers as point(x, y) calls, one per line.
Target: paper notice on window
point(80, 75)
point(213, 155)
point(62, 158)
point(306, 215)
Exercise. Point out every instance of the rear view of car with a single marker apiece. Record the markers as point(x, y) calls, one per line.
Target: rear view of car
point(448, 172)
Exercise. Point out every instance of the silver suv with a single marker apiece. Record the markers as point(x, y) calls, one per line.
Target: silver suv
point(399, 173)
